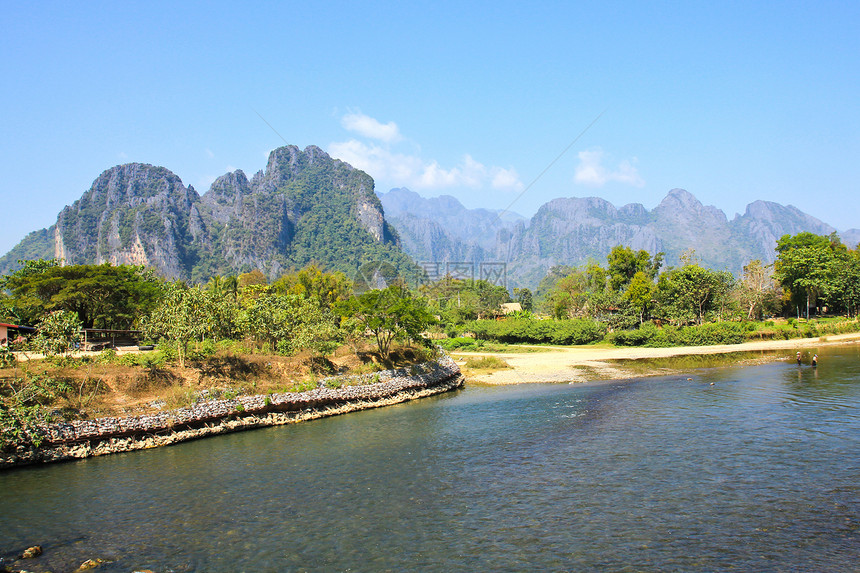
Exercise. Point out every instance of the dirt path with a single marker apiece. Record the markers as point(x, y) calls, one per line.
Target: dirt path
point(583, 363)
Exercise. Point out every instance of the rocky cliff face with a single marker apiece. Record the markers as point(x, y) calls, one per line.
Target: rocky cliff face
point(764, 222)
point(304, 207)
point(572, 231)
point(441, 229)
point(133, 214)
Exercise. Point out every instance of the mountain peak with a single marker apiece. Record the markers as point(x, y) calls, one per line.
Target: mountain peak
point(304, 207)
point(682, 198)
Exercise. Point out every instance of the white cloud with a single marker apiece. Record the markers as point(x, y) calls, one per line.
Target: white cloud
point(370, 127)
point(210, 153)
point(416, 173)
point(410, 170)
point(506, 179)
point(592, 172)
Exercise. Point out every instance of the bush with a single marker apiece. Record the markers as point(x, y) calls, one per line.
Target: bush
point(703, 335)
point(460, 343)
point(59, 332)
point(19, 425)
point(524, 330)
point(7, 359)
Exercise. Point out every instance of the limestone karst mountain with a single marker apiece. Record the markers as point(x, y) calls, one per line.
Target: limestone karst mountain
point(304, 208)
point(572, 231)
point(307, 207)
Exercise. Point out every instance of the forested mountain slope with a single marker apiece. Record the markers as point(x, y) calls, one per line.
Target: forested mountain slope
point(304, 207)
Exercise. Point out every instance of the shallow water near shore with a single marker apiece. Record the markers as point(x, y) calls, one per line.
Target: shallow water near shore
point(758, 471)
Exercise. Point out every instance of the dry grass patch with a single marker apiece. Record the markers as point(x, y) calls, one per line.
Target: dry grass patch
point(486, 363)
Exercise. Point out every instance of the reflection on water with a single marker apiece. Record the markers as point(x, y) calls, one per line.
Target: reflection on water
point(758, 471)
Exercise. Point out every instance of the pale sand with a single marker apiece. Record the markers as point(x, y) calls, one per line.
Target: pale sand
point(583, 363)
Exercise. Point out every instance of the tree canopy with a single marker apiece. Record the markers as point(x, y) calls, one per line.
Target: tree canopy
point(388, 314)
point(103, 296)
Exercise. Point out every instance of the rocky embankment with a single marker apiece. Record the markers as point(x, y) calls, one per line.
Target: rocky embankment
point(85, 438)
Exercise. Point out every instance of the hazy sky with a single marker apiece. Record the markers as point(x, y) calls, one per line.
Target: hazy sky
point(732, 101)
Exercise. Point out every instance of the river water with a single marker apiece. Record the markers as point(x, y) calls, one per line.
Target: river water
point(758, 472)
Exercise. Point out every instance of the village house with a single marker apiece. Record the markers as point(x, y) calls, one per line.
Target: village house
point(8, 332)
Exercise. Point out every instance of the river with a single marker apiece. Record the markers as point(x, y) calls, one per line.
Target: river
point(743, 468)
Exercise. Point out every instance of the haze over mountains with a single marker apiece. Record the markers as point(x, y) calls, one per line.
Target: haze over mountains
point(307, 207)
point(570, 231)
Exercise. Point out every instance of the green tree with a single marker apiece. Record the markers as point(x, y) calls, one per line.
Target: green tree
point(103, 296)
point(757, 291)
point(58, 332)
point(848, 281)
point(183, 314)
point(639, 293)
point(388, 314)
point(291, 322)
point(464, 300)
point(583, 292)
point(525, 298)
point(230, 287)
point(805, 267)
point(570, 296)
point(313, 283)
point(688, 293)
point(624, 263)
point(216, 285)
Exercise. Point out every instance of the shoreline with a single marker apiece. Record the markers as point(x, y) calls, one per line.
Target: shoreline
point(584, 364)
point(61, 441)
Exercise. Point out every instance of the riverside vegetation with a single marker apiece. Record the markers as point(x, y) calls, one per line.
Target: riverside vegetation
point(236, 335)
point(243, 334)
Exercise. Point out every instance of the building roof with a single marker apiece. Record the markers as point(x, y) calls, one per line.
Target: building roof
point(17, 326)
point(509, 307)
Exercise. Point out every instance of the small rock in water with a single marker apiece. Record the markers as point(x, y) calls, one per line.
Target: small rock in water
point(32, 552)
point(90, 564)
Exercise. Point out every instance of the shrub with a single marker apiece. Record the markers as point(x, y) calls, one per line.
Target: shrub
point(703, 335)
point(461, 343)
point(525, 330)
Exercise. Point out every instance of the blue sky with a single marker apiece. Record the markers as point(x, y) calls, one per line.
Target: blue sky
point(733, 101)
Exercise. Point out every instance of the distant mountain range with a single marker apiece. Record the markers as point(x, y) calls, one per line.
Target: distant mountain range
point(572, 231)
point(307, 207)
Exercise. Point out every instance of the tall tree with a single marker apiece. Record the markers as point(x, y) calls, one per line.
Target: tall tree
point(388, 314)
point(757, 290)
point(313, 283)
point(804, 266)
point(624, 263)
point(183, 314)
point(290, 322)
point(639, 293)
point(103, 296)
point(688, 293)
point(524, 297)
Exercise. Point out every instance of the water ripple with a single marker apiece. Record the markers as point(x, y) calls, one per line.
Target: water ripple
point(740, 468)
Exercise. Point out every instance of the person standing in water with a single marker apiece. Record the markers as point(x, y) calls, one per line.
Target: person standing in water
point(798, 359)
point(815, 361)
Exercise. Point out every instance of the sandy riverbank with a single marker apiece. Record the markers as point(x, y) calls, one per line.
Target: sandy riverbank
point(583, 363)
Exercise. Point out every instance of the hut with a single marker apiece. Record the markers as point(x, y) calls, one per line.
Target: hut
point(9, 331)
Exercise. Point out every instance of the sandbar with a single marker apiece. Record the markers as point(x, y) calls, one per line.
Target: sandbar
point(585, 364)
